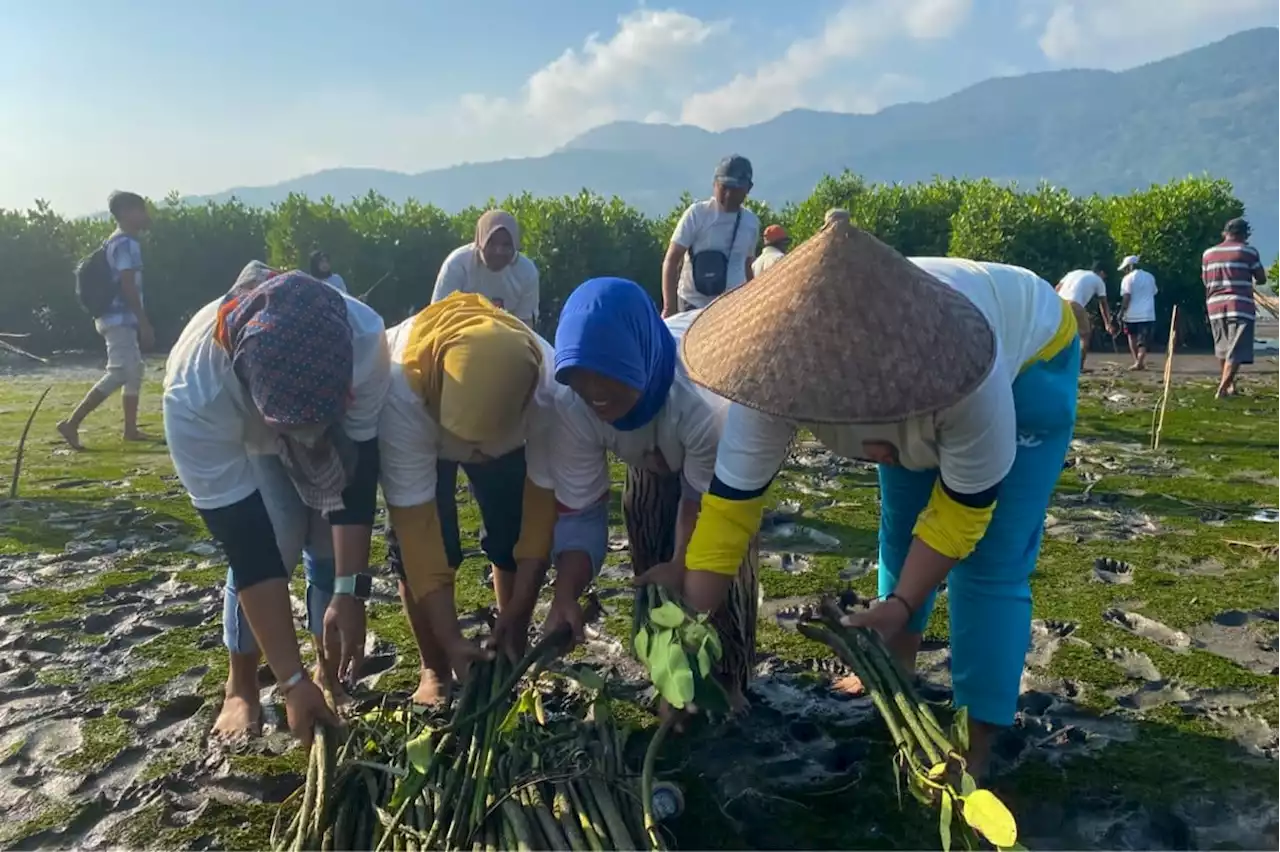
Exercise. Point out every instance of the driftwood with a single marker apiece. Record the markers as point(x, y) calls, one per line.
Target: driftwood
point(9, 347)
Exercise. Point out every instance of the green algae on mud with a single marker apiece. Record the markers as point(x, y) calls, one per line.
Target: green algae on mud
point(1216, 466)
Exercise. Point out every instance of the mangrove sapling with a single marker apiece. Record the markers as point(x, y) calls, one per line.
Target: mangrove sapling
point(931, 760)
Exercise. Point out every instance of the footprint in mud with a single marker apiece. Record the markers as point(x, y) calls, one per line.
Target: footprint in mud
point(1147, 628)
point(790, 563)
point(1046, 636)
point(1151, 695)
point(177, 709)
point(1235, 635)
point(1112, 571)
point(857, 568)
point(1134, 664)
point(187, 617)
point(1253, 733)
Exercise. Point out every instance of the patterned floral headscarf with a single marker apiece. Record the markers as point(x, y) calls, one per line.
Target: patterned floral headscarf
point(290, 345)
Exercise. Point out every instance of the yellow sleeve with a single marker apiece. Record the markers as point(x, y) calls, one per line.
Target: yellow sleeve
point(950, 528)
point(426, 568)
point(537, 523)
point(724, 531)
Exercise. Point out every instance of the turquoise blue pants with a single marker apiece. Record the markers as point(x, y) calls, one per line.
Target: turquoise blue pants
point(989, 592)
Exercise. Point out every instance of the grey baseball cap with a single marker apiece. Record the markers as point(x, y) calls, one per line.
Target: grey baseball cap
point(735, 171)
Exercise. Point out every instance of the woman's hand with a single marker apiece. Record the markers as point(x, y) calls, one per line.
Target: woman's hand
point(887, 617)
point(566, 611)
point(669, 575)
point(344, 636)
point(304, 707)
point(510, 634)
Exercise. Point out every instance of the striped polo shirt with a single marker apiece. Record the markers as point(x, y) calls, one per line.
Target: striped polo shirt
point(1228, 269)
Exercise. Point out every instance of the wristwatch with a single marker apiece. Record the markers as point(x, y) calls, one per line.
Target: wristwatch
point(359, 586)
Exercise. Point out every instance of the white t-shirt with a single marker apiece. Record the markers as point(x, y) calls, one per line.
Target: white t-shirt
point(212, 426)
point(335, 280)
point(1140, 286)
point(973, 442)
point(768, 257)
point(705, 226)
point(686, 430)
point(514, 288)
point(410, 442)
point(1082, 286)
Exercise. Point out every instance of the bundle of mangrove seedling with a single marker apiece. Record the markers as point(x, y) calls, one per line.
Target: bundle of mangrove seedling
point(930, 758)
point(499, 773)
point(680, 648)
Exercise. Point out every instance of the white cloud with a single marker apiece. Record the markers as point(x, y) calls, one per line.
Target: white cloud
point(626, 76)
point(1123, 33)
point(794, 80)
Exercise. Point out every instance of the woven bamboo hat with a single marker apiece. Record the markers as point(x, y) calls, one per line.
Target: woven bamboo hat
point(842, 330)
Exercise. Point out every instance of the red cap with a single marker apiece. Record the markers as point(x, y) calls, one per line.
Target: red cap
point(774, 234)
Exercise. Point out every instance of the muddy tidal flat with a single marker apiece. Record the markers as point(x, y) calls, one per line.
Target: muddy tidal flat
point(1149, 709)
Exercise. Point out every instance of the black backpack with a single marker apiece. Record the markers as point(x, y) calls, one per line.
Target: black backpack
point(96, 287)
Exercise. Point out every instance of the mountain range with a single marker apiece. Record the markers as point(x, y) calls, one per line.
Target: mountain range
point(1209, 110)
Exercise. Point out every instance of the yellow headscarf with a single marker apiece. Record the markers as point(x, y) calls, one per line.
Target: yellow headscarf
point(474, 366)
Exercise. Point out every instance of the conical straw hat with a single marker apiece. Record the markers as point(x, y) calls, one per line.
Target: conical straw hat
point(842, 330)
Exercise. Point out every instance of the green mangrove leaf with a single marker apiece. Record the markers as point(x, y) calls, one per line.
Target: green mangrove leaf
point(659, 660)
point(938, 771)
point(669, 615)
point(587, 676)
point(967, 784)
point(960, 729)
point(704, 660)
point(682, 685)
point(641, 643)
point(419, 751)
point(944, 822)
point(988, 816)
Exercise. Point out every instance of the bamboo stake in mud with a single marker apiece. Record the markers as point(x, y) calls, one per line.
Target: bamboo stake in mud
point(22, 445)
point(1158, 424)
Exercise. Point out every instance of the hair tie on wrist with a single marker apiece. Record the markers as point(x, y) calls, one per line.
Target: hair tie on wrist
point(911, 611)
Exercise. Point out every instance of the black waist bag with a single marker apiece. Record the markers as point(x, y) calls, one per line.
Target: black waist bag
point(711, 266)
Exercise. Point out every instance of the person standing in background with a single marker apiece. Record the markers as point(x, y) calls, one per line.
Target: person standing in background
point(321, 270)
point(1138, 309)
point(710, 250)
point(493, 267)
point(776, 243)
point(1229, 271)
point(1080, 287)
point(124, 326)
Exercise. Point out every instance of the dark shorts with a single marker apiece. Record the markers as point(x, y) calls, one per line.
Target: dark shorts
point(1233, 340)
point(498, 487)
point(1141, 333)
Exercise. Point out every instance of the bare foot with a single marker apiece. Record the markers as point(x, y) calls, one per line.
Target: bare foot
point(241, 716)
point(137, 436)
point(70, 434)
point(850, 684)
point(1135, 367)
point(432, 690)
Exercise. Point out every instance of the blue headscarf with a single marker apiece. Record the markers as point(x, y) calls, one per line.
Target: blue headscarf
point(610, 326)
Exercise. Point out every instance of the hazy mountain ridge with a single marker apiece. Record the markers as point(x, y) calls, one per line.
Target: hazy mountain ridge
point(1213, 109)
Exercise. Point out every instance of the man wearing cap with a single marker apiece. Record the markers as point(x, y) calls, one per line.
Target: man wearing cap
point(124, 326)
point(1080, 287)
point(967, 404)
point(1230, 270)
point(776, 242)
point(710, 250)
point(1138, 309)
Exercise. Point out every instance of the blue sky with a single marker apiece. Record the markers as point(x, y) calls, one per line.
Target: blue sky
point(159, 96)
